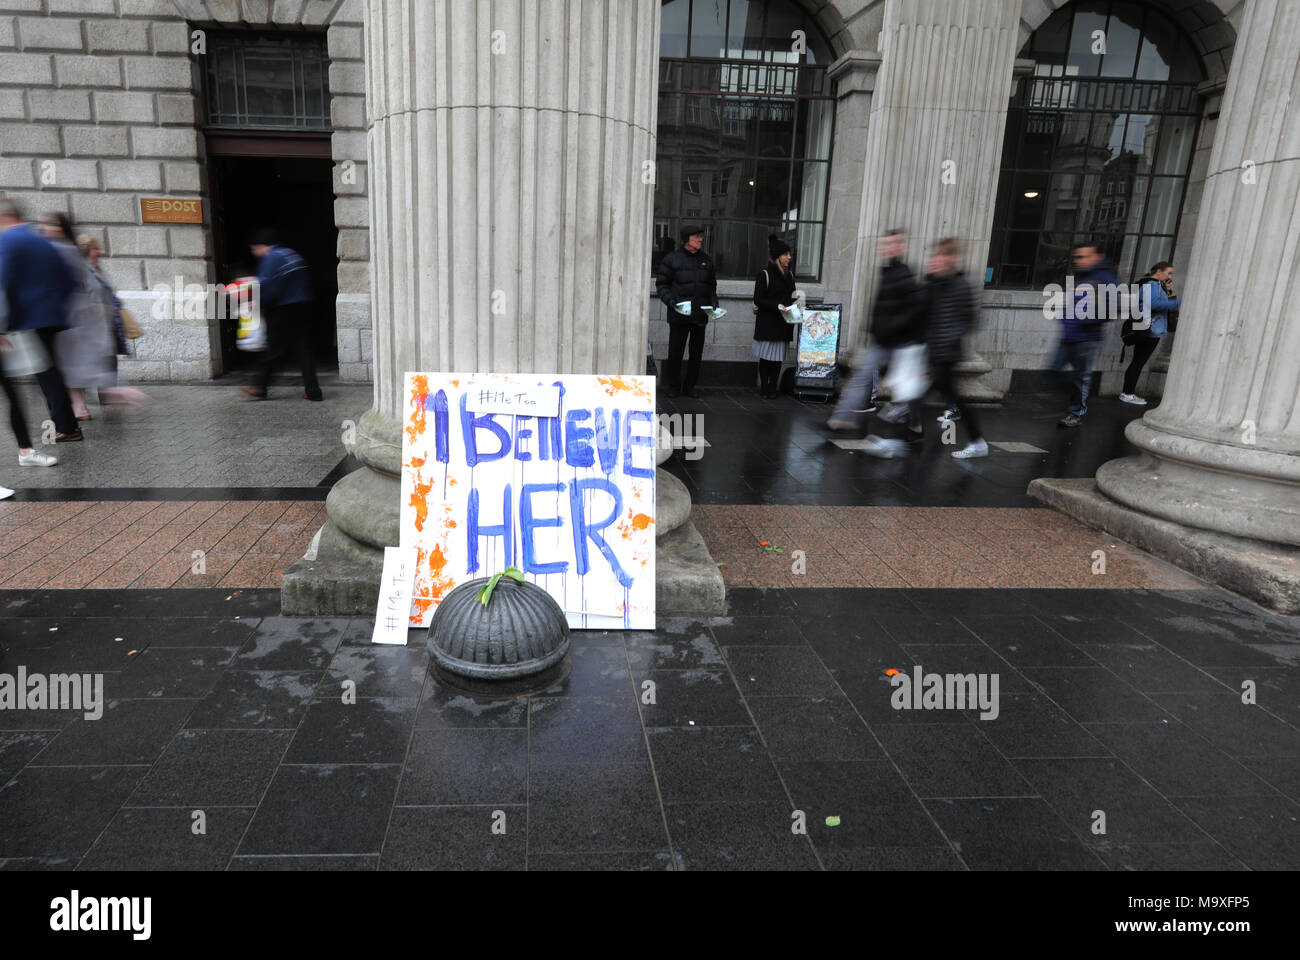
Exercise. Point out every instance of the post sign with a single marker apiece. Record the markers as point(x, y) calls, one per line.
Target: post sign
point(554, 475)
point(168, 210)
point(819, 339)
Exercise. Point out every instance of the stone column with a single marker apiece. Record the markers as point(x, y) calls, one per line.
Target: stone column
point(1217, 485)
point(510, 213)
point(934, 145)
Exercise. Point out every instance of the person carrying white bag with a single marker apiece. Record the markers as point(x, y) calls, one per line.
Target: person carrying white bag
point(21, 355)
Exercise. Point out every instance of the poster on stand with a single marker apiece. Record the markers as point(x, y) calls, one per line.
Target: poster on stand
point(819, 339)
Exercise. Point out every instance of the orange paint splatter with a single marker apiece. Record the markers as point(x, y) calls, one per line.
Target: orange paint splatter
point(419, 416)
point(420, 499)
point(892, 672)
point(613, 385)
point(641, 521)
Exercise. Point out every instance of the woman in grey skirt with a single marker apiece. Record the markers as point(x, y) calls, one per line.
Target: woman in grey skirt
point(774, 290)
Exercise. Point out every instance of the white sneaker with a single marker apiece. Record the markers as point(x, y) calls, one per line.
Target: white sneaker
point(5, 493)
point(979, 448)
point(36, 459)
point(1133, 399)
point(952, 413)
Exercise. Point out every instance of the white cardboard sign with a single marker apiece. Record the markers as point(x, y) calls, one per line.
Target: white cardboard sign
point(554, 475)
point(392, 619)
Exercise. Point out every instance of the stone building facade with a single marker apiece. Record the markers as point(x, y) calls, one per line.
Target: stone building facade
point(102, 103)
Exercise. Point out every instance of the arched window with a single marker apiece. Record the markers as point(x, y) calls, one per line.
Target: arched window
point(745, 115)
point(1099, 143)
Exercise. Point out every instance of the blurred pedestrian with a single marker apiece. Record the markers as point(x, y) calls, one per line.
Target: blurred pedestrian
point(774, 291)
point(1156, 291)
point(285, 298)
point(1095, 286)
point(897, 320)
point(105, 299)
point(28, 456)
point(37, 287)
point(686, 276)
point(951, 313)
point(82, 350)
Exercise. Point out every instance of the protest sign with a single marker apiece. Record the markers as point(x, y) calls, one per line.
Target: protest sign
point(554, 475)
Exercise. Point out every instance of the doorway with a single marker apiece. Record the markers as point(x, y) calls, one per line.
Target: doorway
point(293, 196)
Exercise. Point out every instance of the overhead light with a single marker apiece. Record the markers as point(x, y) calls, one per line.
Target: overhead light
point(751, 183)
point(1031, 194)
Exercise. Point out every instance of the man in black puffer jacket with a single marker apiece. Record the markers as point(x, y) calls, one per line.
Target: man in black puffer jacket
point(952, 312)
point(686, 274)
point(897, 320)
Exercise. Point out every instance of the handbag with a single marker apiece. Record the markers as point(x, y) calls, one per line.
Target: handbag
point(130, 328)
point(25, 356)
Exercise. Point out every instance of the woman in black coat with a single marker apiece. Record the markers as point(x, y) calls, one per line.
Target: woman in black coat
point(773, 290)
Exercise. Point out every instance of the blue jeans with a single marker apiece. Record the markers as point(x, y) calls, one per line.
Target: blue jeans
point(1080, 355)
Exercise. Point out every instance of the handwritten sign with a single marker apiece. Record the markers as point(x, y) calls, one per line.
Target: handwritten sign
point(554, 475)
point(393, 616)
point(167, 210)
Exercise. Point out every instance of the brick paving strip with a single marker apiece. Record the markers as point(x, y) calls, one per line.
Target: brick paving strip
point(150, 545)
point(921, 547)
point(76, 545)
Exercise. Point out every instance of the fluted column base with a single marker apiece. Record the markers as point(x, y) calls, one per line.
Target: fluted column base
point(339, 576)
point(1235, 489)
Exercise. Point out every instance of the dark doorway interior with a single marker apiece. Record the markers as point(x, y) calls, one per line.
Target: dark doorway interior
point(294, 196)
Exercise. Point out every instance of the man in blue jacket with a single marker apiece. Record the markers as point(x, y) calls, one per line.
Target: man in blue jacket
point(1082, 325)
point(37, 285)
point(284, 290)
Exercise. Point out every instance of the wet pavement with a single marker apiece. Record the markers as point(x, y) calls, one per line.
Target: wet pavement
point(1126, 717)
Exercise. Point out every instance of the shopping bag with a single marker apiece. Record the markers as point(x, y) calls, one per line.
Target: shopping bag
point(25, 355)
point(250, 333)
point(908, 377)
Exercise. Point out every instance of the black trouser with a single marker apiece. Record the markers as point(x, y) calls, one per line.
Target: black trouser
point(943, 382)
point(52, 385)
point(678, 335)
point(1142, 351)
point(288, 334)
point(16, 418)
point(769, 372)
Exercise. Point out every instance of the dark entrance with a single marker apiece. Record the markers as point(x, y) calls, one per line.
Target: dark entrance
point(294, 196)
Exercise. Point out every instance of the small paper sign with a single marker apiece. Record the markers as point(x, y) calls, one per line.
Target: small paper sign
point(392, 619)
point(524, 401)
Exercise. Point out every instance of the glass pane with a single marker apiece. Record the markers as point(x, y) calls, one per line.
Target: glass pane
point(809, 191)
point(668, 187)
point(701, 128)
point(740, 250)
point(745, 30)
point(1151, 251)
point(1140, 140)
point(783, 19)
point(671, 117)
point(1176, 144)
point(1019, 253)
point(1164, 205)
point(740, 135)
point(1122, 39)
point(1089, 18)
point(1125, 265)
point(771, 190)
point(709, 28)
point(1028, 201)
point(727, 190)
point(672, 30)
point(816, 118)
point(1053, 258)
point(1108, 136)
point(776, 128)
point(1048, 44)
point(1138, 192)
point(1072, 146)
point(1164, 56)
point(808, 250)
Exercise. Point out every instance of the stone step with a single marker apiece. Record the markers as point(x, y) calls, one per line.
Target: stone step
point(687, 581)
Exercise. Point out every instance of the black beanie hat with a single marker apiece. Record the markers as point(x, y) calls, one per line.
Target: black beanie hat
point(776, 246)
point(262, 238)
point(690, 231)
